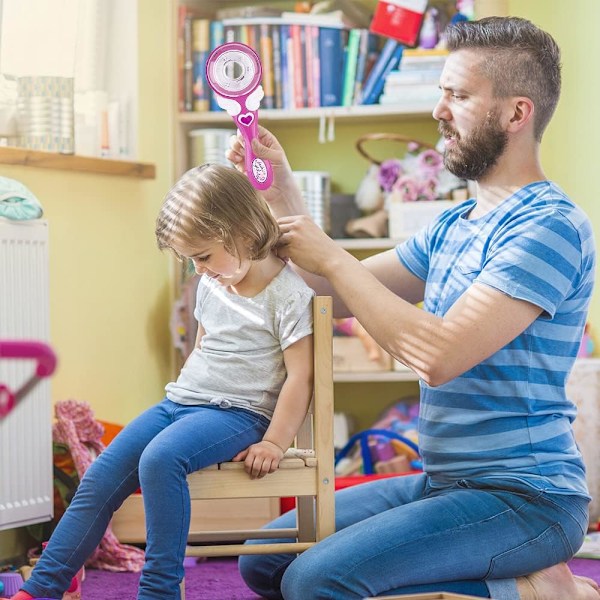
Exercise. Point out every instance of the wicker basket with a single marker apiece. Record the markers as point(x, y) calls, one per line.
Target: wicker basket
point(393, 137)
point(404, 217)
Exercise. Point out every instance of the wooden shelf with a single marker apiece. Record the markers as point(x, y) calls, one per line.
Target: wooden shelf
point(374, 376)
point(368, 243)
point(367, 113)
point(73, 162)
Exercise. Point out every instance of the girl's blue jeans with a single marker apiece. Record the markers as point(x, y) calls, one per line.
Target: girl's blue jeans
point(155, 451)
point(400, 536)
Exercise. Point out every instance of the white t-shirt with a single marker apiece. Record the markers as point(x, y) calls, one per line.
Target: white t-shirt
point(240, 361)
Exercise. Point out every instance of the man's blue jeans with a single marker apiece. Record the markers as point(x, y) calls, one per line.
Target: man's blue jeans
point(400, 536)
point(155, 451)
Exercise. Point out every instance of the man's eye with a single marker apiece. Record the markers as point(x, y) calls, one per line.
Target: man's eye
point(458, 97)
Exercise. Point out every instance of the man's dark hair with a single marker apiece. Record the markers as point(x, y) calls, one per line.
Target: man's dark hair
point(520, 59)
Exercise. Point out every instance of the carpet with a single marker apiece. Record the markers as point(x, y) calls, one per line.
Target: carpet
point(211, 579)
point(218, 579)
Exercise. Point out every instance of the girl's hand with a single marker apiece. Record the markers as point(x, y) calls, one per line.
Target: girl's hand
point(260, 459)
point(306, 244)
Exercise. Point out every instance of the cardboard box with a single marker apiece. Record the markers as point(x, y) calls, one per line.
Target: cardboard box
point(406, 218)
point(349, 354)
point(429, 596)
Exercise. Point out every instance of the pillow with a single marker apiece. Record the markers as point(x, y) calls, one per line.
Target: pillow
point(17, 202)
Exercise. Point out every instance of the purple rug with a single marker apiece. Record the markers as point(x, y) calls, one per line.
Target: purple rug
point(218, 579)
point(212, 579)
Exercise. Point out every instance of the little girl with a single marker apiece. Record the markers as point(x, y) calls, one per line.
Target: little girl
point(241, 395)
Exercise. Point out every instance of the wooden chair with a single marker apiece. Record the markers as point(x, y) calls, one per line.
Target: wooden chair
point(306, 472)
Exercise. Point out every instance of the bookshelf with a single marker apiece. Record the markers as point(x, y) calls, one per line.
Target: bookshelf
point(73, 162)
point(362, 394)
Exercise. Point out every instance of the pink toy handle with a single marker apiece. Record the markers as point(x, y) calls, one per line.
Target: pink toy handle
point(42, 353)
point(46, 364)
point(259, 171)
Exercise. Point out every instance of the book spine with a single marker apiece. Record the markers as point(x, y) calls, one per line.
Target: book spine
point(350, 67)
point(286, 57)
point(297, 64)
point(361, 62)
point(305, 66)
point(331, 51)
point(371, 95)
point(276, 41)
point(316, 65)
point(188, 66)
point(217, 37)
point(266, 57)
point(200, 51)
point(384, 56)
point(181, 14)
point(309, 62)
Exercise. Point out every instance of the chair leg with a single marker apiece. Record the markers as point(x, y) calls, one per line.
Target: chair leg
point(182, 589)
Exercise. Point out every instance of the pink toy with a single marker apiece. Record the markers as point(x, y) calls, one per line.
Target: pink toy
point(233, 71)
point(46, 363)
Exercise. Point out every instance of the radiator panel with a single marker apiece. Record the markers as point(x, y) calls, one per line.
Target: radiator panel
point(26, 492)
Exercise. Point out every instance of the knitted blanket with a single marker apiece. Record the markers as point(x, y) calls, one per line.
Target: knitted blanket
point(76, 427)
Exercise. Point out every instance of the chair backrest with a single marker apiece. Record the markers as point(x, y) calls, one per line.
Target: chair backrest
point(307, 471)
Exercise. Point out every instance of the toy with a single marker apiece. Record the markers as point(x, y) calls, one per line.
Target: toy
point(46, 363)
point(233, 71)
point(586, 348)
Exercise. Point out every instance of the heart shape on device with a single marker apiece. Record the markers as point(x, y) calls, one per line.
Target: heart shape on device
point(246, 119)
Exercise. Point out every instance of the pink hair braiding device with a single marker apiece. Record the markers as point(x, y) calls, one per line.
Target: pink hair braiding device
point(233, 71)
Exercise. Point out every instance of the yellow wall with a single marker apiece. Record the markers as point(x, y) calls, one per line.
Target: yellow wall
point(570, 146)
point(109, 282)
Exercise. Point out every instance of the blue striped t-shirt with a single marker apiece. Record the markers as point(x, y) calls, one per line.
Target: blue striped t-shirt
point(509, 415)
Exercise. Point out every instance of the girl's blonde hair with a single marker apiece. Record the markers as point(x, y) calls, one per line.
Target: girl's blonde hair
point(217, 203)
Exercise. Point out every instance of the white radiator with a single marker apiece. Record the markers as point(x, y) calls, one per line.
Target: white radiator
point(26, 494)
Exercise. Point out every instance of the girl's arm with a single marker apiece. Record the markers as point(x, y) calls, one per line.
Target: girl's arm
point(290, 411)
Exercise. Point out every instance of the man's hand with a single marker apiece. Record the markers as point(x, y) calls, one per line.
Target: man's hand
point(284, 196)
point(260, 459)
point(306, 244)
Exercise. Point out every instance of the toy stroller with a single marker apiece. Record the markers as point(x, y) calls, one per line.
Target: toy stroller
point(23, 349)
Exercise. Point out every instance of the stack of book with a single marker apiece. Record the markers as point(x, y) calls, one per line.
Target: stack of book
point(308, 60)
point(416, 79)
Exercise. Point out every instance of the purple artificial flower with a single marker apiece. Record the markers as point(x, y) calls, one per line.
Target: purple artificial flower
point(412, 147)
point(430, 162)
point(409, 191)
point(427, 188)
point(389, 171)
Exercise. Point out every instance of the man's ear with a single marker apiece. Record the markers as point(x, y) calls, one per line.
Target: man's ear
point(522, 111)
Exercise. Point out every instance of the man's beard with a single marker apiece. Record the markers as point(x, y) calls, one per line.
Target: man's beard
point(472, 157)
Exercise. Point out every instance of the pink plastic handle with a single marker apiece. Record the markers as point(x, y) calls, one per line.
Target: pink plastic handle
point(242, 102)
point(42, 353)
point(7, 400)
point(259, 171)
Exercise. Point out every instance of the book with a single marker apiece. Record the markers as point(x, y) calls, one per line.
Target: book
point(331, 51)
point(277, 67)
point(388, 60)
point(188, 65)
point(361, 63)
point(297, 65)
point(286, 73)
point(315, 67)
point(266, 58)
point(217, 37)
point(200, 52)
point(350, 67)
